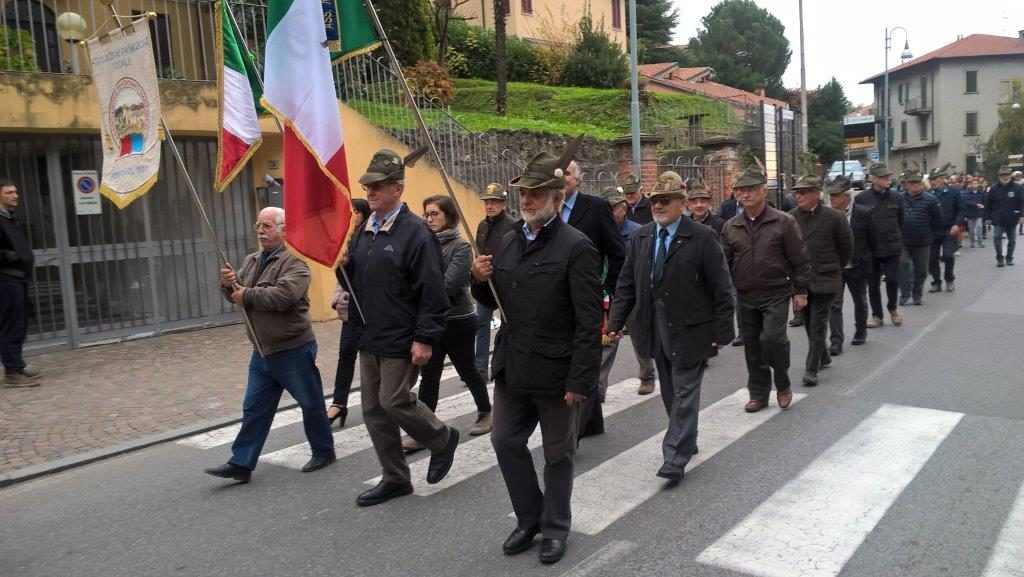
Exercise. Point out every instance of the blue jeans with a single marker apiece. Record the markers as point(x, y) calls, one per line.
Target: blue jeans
point(1011, 239)
point(483, 336)
point(294, 371)
point(977, 229)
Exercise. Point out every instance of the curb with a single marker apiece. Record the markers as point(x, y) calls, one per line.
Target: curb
point(65, 463)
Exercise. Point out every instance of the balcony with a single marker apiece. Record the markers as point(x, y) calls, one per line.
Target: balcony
point(917, 107)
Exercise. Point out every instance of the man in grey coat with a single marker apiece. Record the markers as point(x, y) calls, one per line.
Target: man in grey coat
point(677, 281)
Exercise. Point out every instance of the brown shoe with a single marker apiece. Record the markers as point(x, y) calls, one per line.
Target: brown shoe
point(482, 425)
point(796, 322)
point(754, 406)
point(645, 389)
point(897, 318)
point(32, 373)
point(409, 445)
point(784, 398)
point(876, 322)
point(20, 381)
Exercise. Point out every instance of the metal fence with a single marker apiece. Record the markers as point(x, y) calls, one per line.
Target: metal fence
point(712, 175)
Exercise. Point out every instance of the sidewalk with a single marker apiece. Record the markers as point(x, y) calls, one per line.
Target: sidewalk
point(107, 397)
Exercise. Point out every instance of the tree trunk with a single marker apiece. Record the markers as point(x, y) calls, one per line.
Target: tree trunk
point(501, 57)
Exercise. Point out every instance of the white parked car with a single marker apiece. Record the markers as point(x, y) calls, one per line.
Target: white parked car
point(853, 168)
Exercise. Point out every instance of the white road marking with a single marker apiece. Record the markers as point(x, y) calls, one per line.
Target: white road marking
point(351, 440)
point(477, 455)
point(887, 365)
point(606, 493)
point(611, 553)
point(813, 525)
point(225, 435)
point(1007, 558)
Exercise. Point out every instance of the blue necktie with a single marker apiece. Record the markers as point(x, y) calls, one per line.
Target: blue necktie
point(660, 253)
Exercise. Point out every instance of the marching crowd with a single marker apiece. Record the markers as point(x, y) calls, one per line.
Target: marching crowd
point(570, 278)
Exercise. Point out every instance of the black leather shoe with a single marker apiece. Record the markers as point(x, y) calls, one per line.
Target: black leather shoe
point(441, 463)
point(810, 379)
point(835, 350)
point(230, 471)
point(383, 492)
point(738, 341)
point(859, 339)
point(904, 301)
point(551, 551)
point(1009, 261)
point(317, 463)
point(520, 540)
point(918, 302)
point(935, 288)
point(669, 472)
point(826, 362)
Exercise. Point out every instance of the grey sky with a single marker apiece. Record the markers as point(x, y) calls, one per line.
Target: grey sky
point(847, 39)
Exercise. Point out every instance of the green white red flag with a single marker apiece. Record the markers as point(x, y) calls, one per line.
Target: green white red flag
point(238, 91)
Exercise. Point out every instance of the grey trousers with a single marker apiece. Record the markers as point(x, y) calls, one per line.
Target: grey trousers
point(389, 405)
point(914, 270)
point(608, 354)
point(515, 417)
point(680, 392)
point(763, 322)
point(815, 315)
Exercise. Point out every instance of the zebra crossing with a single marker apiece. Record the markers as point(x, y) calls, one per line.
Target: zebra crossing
point(826, 512)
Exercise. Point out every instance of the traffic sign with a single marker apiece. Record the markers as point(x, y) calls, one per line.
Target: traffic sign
point(85, 184)
point(874, 156)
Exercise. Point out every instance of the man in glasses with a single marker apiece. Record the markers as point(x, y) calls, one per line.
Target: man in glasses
point(272, 286)
point(395, 265)
point(770, 266)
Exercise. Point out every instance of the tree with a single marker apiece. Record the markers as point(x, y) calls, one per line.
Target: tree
point(655, 20)
point(17, 50)
point(825, 112)
point(501, 58)
point(1008, 137)
point(745, 45)
point(409, 28)
point(595, 61)
point(443, 13)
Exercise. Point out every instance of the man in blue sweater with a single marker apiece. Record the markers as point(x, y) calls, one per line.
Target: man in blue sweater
point(944, 244)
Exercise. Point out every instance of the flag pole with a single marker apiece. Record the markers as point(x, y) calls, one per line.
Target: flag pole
point(195, 194)
point(280, 127)
point(430, 142)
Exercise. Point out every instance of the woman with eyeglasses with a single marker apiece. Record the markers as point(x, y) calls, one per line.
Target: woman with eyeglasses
point(351, 331)
point(459, 339)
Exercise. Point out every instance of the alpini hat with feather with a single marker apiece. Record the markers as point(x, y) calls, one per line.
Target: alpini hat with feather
point(545, 170)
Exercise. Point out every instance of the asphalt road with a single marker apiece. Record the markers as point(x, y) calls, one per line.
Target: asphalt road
point(906, 460)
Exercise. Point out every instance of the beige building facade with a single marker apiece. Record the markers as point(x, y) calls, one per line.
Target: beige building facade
point(531, 19)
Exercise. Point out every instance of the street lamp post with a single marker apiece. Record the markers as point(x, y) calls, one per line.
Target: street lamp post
point(888, 112)
point(71, 28)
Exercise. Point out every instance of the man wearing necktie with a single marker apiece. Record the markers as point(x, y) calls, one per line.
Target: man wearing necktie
point(677, 281)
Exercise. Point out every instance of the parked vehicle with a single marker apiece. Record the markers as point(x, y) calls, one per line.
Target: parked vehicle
point(853, 168)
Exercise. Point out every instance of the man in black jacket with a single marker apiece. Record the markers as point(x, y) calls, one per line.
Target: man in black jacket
point(1004, 209)
point(396, 269)
point(592, 216)
point(496, 224)
point(887, 212)
point(638, 207)
point(858, 269)
point(547, 353)
point(678, 283)
point(699, 203)
point(16, 262)
point(829, 244)
point(922, 222)
point(944, 245)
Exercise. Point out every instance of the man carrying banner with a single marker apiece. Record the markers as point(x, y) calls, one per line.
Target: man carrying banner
point(272, 286)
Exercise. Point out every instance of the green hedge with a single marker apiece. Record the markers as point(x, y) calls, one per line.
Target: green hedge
point(471, 54)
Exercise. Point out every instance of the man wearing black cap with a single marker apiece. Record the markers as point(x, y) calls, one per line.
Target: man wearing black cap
point(496, 224)
point(857, 270)
point(770, 267)
point(638, 207)
point(547, 352)
point(1004, 209)
point(676, 281)
point(944, 245)
point(396, 269)
point(829, 244)
point(887, 212)
point(922, 223)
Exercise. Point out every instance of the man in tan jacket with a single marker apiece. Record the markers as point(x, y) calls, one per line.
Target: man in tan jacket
point(272, 286)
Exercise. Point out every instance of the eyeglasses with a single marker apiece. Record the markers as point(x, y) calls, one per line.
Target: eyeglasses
point(375, 186)
point(661, 200)
point(263, 226)
point(431, 215)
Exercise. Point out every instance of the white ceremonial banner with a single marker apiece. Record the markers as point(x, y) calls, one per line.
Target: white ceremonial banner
point(125, 79)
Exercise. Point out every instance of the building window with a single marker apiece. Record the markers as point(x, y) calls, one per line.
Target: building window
point(924, 165)
point(40, 23)
point(971, 163)
point(900, 89)
point(160, 32)
point(903, 166)
point(972, 82)
point(903, 132)
point(923, 124)
point(617, 14)
point(924, 91)
point(971, 124)
point(527, 6)
point(508, 7)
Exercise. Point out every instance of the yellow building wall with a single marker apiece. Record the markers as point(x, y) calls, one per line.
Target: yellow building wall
point(565, 14)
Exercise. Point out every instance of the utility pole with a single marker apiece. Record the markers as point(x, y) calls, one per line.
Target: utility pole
point(803, 85)
point(634, 90)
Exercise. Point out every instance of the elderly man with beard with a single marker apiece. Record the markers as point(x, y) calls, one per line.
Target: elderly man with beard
point(547, 352)
point(676, 281)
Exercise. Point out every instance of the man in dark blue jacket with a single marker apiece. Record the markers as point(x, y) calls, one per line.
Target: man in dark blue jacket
point(396, 269)
point(944, 244)
point(1004, 208)
point(887, 211)
point(974, 199)
point(922, 222)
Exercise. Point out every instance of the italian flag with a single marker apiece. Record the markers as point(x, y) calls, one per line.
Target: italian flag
point(300, 92)
point(238, 91)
